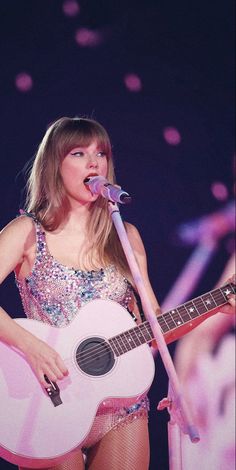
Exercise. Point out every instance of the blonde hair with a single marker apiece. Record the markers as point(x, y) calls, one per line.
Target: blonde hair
point(46, 196)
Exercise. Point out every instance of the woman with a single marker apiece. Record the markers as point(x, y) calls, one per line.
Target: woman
point(65, 252)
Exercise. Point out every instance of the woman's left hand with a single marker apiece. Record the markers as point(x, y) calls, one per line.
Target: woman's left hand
point(230, 306)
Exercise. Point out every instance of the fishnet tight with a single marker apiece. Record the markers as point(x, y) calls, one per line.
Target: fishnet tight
point(125, 448)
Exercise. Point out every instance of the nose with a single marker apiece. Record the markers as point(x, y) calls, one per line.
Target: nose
point(93, 163)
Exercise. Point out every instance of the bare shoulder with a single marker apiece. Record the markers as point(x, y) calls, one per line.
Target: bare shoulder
point(141, 258)
point(135, 238)
point(132, 231)
point(21, 226)
point(19, 234)
point(17, 240)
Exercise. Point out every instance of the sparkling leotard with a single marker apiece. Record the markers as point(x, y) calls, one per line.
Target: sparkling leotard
point(54, 293)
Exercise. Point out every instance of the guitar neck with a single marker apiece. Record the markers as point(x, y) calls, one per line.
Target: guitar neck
point(172, 319)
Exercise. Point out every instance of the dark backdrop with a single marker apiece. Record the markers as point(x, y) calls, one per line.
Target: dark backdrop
point(180, 56)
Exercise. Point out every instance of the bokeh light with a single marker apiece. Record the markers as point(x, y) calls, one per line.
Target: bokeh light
point(86, 37)
point(23, 82)
point(171, 135)
point(71, 8)
point(133, 82)
point(219, 191)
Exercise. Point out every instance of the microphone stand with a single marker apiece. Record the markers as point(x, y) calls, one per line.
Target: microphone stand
point(175, 401)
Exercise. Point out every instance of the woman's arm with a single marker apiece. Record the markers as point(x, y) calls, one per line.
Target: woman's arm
point(141, 258)
point(16, 241)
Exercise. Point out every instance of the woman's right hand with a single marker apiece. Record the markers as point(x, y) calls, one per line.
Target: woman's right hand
point(45, 361)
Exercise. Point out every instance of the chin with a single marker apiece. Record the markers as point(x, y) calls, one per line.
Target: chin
point(89, 199)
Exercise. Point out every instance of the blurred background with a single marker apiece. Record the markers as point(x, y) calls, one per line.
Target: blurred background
point(159, 75)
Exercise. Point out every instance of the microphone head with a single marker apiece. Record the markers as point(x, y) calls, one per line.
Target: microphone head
point(100, 185)
point(125, 198)
point(95, 183)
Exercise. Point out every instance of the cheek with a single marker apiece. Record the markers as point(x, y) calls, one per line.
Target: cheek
point(105, 168)
point(69, 171)
point(66, 175)
point(110, 172)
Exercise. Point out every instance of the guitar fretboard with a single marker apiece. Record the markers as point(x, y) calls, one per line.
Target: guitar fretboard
point(171, 320)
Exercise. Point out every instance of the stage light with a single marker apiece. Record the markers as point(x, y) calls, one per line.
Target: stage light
point(219, 191)
point(71, 8)
point(133, 82)
point(23, 82)
point(86, 37)
point(171, 136)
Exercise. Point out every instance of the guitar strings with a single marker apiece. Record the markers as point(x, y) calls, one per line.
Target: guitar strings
point(133, 335)
point(90, 355)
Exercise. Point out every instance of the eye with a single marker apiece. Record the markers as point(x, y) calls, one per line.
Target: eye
point(77, 154)
point(101, 154)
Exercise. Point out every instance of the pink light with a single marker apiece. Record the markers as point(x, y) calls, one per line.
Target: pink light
point(133, 82)
point(86, 37)
point(171, 136)
point(71, 8)
point(219, 191)
point(24, 82)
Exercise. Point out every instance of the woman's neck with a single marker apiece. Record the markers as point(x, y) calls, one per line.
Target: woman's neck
point(77, 219)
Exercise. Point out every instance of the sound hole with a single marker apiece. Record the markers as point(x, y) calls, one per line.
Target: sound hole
point(94, 356)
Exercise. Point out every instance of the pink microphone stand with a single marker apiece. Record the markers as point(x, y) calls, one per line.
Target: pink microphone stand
point(175, 402)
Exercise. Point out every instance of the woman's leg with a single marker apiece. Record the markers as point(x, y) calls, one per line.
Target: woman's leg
point(123, 448)
point(75, 461)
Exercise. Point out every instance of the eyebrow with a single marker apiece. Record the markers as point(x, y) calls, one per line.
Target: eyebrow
point(82, 147)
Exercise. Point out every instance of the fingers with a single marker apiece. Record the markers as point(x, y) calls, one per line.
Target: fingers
point(45, 374)
point(45, 361)
point(62, 367)
point(52, 372)
point(232, 300)
point(56, 369)
point(230, 307)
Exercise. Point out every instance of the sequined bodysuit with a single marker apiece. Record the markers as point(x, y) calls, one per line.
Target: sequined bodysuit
point(54, 293)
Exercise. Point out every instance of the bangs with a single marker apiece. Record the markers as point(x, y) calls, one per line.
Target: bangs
point(80, 132)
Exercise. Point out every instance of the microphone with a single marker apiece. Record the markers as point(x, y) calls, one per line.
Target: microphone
point(100, 185)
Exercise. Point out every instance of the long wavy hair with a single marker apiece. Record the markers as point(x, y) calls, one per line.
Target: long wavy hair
point(46, 196)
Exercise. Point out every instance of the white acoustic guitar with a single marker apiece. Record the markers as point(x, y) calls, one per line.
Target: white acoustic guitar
point(108, 359)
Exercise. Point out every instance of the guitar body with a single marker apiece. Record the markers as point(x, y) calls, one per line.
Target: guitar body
point(35, 433)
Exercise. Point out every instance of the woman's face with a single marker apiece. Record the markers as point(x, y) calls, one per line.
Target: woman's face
point(79, 164)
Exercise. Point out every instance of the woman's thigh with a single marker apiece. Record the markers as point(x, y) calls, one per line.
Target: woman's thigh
point(122, 448)
point(75, 461)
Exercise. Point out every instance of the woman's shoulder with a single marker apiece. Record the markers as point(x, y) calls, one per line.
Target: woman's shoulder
point(21, 225)
point(132, 232)
point(135, 238)
point(131, 229)
point(16, 239)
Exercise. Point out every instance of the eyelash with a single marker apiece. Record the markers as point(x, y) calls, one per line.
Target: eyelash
point(102, 154)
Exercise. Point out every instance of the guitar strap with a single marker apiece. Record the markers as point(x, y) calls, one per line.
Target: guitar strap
point(139, 305)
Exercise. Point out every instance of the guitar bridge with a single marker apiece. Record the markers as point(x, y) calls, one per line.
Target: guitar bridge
point(53, 392)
